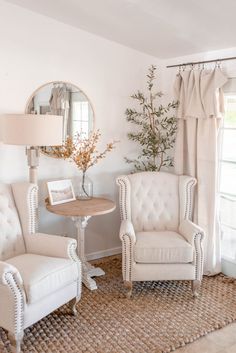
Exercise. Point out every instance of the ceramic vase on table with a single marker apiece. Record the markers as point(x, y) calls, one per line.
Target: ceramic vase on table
point(85, 191)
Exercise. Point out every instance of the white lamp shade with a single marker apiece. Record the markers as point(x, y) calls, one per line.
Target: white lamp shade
point(32, 130)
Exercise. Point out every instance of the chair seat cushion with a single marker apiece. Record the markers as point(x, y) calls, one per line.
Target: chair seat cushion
point(43, 275)
point(162, 247)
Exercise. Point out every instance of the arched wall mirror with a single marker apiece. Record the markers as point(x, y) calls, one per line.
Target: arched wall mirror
point(66, 99)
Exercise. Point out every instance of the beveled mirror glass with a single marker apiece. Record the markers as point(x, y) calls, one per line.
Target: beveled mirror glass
point(66, 99)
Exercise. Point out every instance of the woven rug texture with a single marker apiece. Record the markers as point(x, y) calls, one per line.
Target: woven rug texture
point(159, 318)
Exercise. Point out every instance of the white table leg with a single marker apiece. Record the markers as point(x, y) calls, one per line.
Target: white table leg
point(88, 271)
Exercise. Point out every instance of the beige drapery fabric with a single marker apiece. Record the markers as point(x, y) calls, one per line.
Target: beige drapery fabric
point(201, 107)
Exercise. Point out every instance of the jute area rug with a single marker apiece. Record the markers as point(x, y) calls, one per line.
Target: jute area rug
point(161, 317)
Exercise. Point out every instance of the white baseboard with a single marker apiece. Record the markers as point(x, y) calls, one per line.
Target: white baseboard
point(103, 253)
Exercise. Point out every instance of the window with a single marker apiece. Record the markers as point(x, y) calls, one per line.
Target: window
point(82, 115)
point(81, 122)
point(228, 179)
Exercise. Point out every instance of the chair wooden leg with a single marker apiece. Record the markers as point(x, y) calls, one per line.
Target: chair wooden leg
point(195, 287)
point(129, 286)
point(16, 341)
point(72, 305)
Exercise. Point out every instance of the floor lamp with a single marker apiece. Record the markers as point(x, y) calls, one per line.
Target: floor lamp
point(32, 131)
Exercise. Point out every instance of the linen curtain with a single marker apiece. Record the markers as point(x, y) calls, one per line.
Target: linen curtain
point(200, 111)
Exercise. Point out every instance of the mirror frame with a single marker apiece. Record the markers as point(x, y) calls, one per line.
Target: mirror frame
point(59, 82)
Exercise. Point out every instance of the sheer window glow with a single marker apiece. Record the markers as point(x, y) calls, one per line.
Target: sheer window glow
point(81, 122)
point(228, 180)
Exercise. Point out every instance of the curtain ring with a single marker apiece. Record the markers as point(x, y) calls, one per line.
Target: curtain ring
point(218, 64)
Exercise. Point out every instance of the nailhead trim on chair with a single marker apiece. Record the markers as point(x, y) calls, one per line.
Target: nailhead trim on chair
point(198, 237)
point(18, 302)
point(33, 215)
point(73, 255)
point(127, 263)
point(72, 252)
point(122, 182)
point(124, 256)
point(189, 197)
point(126, 243)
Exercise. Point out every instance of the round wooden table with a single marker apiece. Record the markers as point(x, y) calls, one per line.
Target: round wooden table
point(80, 211)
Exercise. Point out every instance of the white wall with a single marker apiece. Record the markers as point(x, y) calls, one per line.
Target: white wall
point(34, 50)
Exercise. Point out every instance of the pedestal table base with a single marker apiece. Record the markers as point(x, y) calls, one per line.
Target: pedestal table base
point(88, 270)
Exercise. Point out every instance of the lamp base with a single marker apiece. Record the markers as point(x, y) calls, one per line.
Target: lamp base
point(33, 162)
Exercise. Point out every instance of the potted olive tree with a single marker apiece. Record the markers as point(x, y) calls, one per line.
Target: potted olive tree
point(155, 130)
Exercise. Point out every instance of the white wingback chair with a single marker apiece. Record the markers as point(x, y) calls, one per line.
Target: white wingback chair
point(38, 272)
point(159, 241)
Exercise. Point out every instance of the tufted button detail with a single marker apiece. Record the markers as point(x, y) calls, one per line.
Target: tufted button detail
point(11, 241)
point(154, 201)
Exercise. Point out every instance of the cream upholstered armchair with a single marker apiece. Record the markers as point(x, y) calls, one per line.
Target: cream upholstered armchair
point(159, 241)
point(38, 272)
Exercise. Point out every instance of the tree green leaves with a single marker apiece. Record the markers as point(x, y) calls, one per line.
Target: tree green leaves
point(156, 127)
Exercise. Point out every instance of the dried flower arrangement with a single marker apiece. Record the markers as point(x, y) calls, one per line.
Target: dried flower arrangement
point(83, 152)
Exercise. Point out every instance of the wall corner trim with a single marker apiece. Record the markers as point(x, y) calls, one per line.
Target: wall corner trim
point(103, 253)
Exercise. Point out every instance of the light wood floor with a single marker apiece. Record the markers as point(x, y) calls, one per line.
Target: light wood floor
point(220, 341)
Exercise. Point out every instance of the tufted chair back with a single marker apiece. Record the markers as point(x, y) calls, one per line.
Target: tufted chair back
point(155, 201)
point(11, 239)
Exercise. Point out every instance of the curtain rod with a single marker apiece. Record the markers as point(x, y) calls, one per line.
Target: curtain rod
point(202, 62)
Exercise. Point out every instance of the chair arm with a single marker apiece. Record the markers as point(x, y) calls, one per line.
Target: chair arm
point(51, 245)
point(8, 272)
point(127, 229)
point(13, 299)
point(128, 238)
point(190, 231)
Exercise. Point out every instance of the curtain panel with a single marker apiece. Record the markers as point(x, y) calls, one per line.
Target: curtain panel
point(200, 112)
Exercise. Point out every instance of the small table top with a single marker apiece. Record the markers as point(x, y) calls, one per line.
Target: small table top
point(94, 207)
